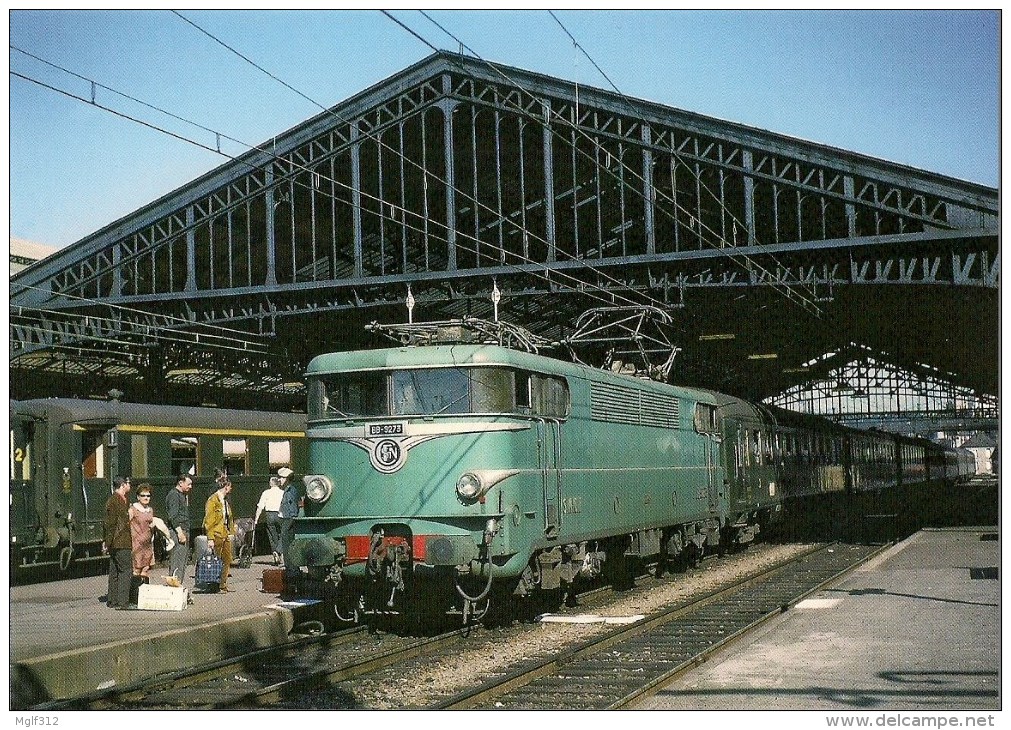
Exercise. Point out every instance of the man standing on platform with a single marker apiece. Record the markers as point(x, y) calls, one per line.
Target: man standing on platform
point(118, 543)
point(270, 507)
point(177, 516)
point(219, 526)
point(288, 513)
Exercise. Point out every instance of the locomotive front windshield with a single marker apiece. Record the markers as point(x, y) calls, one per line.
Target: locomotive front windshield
point(434, 391)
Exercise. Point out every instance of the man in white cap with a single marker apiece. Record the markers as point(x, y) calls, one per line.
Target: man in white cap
point(270, 507)
point(288, 512)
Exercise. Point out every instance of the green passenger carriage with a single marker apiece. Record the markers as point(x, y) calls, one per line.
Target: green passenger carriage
point(65, 452)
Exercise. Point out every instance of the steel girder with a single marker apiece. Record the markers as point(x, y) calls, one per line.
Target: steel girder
point(455, 174)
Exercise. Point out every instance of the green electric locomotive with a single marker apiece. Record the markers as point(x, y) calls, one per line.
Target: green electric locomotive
point(439, 473)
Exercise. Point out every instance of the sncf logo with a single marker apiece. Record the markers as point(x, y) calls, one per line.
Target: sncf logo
point(387, 456)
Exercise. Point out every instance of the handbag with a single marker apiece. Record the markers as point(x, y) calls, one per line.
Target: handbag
point(209, 568)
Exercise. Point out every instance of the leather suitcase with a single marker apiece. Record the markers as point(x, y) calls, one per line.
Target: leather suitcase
point(273, 580)
point(161, 598)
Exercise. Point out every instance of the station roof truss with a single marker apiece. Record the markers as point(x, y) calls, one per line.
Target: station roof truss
point(862, 388)
point(457, 178)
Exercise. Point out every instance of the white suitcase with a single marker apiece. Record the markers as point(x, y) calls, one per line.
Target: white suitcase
point(161, 598)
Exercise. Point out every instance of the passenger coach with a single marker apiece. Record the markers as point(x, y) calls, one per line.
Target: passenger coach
point(64, 454)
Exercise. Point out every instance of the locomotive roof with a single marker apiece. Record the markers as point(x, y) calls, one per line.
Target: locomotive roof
point(71, 410)
point(482, 355)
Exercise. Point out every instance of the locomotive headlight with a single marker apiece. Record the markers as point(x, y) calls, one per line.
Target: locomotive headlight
point(318, 488)
point(469, 486)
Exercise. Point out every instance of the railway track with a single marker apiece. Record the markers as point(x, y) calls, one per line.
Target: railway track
point(611, 671)
point(260, 677)
point(608, 671)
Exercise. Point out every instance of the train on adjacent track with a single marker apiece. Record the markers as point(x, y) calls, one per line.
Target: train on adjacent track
point(442, 477)
point(64, 454)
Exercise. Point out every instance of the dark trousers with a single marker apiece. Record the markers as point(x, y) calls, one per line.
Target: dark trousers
point(178, 557)
point(287, 533)
point(120, 576)
point(273, 523)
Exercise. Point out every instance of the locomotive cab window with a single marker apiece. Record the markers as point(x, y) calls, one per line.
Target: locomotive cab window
point(452, 390)
point(437, 391)
point(549, 396)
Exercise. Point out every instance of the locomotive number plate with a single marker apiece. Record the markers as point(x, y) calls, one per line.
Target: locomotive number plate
point(386, 429)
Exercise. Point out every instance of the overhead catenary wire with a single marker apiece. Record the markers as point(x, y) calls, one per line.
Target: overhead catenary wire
point(581, 284)
point(748, 264)
point(230, 331)
point(147, 331)
point(428, 173)
point(628, 102)
point(535, 267)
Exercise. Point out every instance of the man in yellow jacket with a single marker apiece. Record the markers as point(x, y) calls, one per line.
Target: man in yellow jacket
point(219, 526)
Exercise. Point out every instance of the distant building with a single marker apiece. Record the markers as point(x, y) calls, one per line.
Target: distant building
point(24, 253)
point(982, 446)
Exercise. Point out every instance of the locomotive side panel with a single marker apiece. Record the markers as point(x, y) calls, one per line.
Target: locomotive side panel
point(632, 460)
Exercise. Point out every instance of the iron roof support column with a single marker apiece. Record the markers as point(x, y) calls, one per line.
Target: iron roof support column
point(191, 251)
point(648, 195)
point(117, 272)
point(549, 181)
point(851, 210)
point(447, 106)
point(268, 199)
point(749, 196)
point(356, 199)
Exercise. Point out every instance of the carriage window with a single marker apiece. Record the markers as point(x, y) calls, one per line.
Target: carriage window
point(93, 454)
point(756, 447)
point(706, 418)
point(279, 454)
point(138, 455)
point(235, 457)
point(184, 455)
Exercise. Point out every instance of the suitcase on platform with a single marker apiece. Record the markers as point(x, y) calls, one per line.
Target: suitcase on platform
point(161, 598)
point(273, 580)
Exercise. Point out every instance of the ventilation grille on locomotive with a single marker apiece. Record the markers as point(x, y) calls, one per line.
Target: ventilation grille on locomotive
point(617, 404)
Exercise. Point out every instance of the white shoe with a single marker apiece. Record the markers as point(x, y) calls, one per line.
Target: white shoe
point(169, 545)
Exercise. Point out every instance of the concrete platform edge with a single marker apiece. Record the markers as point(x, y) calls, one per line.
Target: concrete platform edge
point(121, 663)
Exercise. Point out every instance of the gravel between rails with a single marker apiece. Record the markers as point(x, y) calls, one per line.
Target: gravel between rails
point(416, 683)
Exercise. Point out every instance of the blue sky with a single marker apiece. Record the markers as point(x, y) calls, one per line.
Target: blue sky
point(916, 87)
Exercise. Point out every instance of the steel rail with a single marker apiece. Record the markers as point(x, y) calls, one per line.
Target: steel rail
point(523, 676)
point(736, 636)
point(136, 692)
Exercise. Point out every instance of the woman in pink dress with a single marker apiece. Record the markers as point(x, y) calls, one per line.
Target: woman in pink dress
point(142, 520)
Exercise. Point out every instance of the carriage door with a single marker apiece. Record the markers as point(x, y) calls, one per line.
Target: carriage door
point(707, 426)
point(548, 456)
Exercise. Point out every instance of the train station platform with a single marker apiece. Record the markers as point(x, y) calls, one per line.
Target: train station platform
point(65, 642)
point(916, 628)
